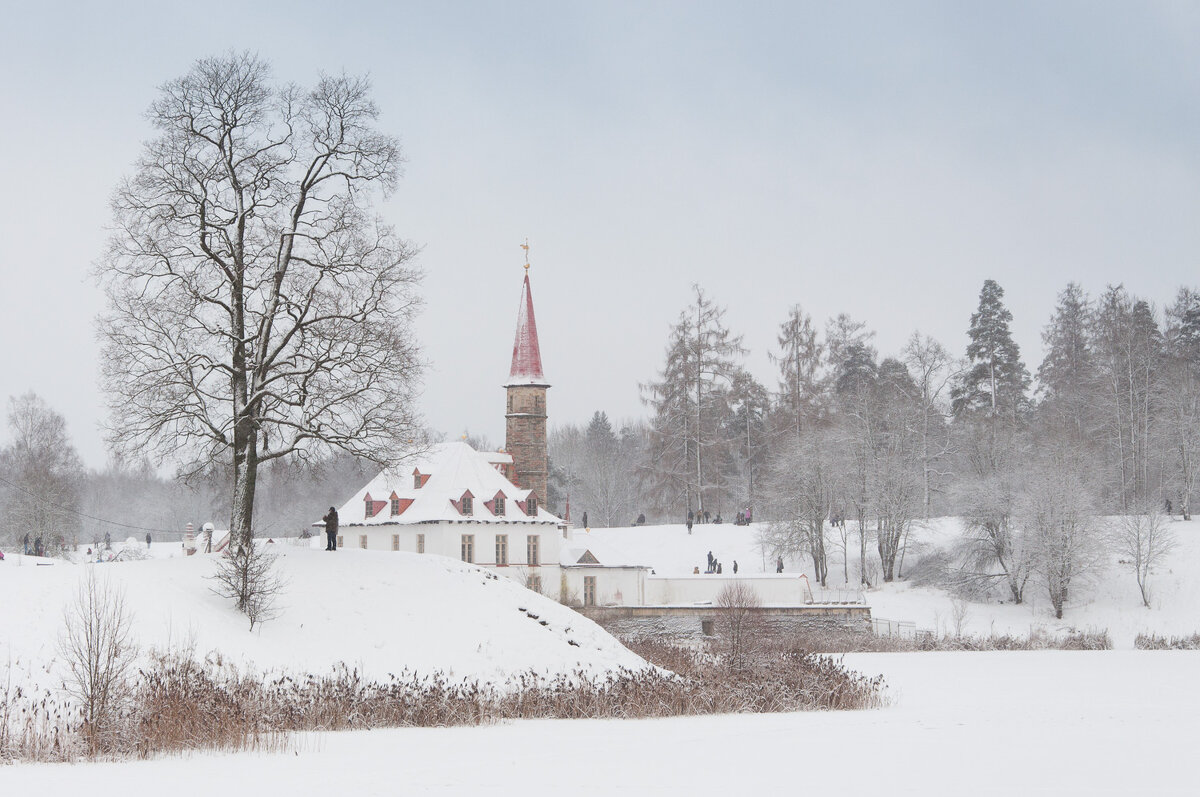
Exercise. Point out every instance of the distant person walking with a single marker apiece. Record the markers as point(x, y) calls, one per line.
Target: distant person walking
point(107, 541)
point(27, 551)
point(690, 518)
point(779, 565)
point(735, 567)
point(331, 529)
point(38, 550)
point(147, 540)
point(585, 525)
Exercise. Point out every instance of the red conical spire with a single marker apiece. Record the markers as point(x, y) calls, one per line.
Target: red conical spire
point(527, 356)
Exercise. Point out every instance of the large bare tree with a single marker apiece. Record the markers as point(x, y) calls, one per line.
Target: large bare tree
point(257, 308)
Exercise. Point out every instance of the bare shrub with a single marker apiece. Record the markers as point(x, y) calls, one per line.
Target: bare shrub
point(739, 622)
point(247, 576)
point(96, 645)
point(960, 610)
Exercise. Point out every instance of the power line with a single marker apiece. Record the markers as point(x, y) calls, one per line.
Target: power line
point(85, 515)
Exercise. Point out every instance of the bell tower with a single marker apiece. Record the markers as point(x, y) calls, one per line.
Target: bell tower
point(525, 429)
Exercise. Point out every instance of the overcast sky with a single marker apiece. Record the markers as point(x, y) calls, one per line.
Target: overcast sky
point(879, 159)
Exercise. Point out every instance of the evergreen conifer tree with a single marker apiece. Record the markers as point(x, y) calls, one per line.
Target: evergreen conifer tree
point(997, 380)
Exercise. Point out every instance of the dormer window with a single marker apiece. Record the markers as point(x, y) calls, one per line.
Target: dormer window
point(467, 508)
point(531, 506)
point(499, 503)
point(417, 480)
point(395, 506)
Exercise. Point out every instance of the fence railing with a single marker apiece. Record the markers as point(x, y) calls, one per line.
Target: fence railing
point(901, 629)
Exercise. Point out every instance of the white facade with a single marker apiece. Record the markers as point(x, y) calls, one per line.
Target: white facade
point(455, 501)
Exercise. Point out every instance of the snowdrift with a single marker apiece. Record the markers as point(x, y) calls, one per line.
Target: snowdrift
point(379, 613)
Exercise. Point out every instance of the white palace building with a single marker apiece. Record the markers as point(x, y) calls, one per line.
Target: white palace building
point(486, 508)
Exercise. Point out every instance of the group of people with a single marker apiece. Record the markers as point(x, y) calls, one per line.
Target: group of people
point(714, 566)
point(743, 518)
point(701, 517)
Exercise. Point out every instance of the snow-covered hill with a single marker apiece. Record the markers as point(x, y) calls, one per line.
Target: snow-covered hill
point(1108, 600)
point(378, 612)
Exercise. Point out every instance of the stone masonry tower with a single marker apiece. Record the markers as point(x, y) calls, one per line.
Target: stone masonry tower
point(525, 433)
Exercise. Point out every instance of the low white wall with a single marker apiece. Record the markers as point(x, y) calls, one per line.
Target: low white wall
point(772, 589)
point(615, 586)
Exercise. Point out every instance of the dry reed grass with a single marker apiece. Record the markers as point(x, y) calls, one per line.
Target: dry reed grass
point(179, 704)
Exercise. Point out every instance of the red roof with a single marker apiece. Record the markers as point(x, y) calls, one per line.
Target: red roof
point(527, 356)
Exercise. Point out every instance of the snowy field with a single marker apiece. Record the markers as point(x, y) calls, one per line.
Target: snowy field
point(1018, 723)
point(1109, 600)
point(1024, 723)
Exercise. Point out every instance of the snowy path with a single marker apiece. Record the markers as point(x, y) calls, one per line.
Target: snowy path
point(1047, 722)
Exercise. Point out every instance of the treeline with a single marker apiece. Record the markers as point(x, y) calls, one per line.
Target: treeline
point(1110, 425)
point(47, 493)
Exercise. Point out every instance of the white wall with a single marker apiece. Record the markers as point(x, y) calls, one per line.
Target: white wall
point(615, 586)
point(445, 539)
point(773, 589)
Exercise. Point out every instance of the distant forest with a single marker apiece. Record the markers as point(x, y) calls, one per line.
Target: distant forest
point(1113, 411)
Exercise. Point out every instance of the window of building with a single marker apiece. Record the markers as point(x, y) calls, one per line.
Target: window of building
point(589, 590)
point(501, 549)
point(499, 505)
point(420, 543)
point(532, 550)
point(531, 506)
point(395, 542)
point(362, 540)
point(534, 582)
point(467, 507)
point(468, 547)
point(395, 507)
point(416, 481)
point(341, 541)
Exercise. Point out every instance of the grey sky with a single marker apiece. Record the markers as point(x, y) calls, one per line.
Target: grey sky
point(876, 159)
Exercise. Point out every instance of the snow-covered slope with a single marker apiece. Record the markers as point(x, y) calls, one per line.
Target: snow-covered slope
point(378, 612)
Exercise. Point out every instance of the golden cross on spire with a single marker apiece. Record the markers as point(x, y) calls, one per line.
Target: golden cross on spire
point(525, 246)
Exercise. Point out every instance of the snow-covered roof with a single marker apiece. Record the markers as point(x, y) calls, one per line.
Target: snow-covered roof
point(584, 549)
point(445, 474)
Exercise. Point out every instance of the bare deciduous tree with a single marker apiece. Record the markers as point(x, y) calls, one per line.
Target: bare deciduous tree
point(1143, 540)
point(799, 489)
point(739, 620)
point(1055, 511)
point(256, 307)
point(96, 645)
point(43, 477)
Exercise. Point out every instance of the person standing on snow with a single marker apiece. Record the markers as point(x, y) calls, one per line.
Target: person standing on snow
point(147, 540)
point(331, 529)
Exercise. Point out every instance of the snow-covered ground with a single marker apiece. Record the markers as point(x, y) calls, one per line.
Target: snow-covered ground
point(1109, 600)
point(380, 613)
point(1026, 723)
